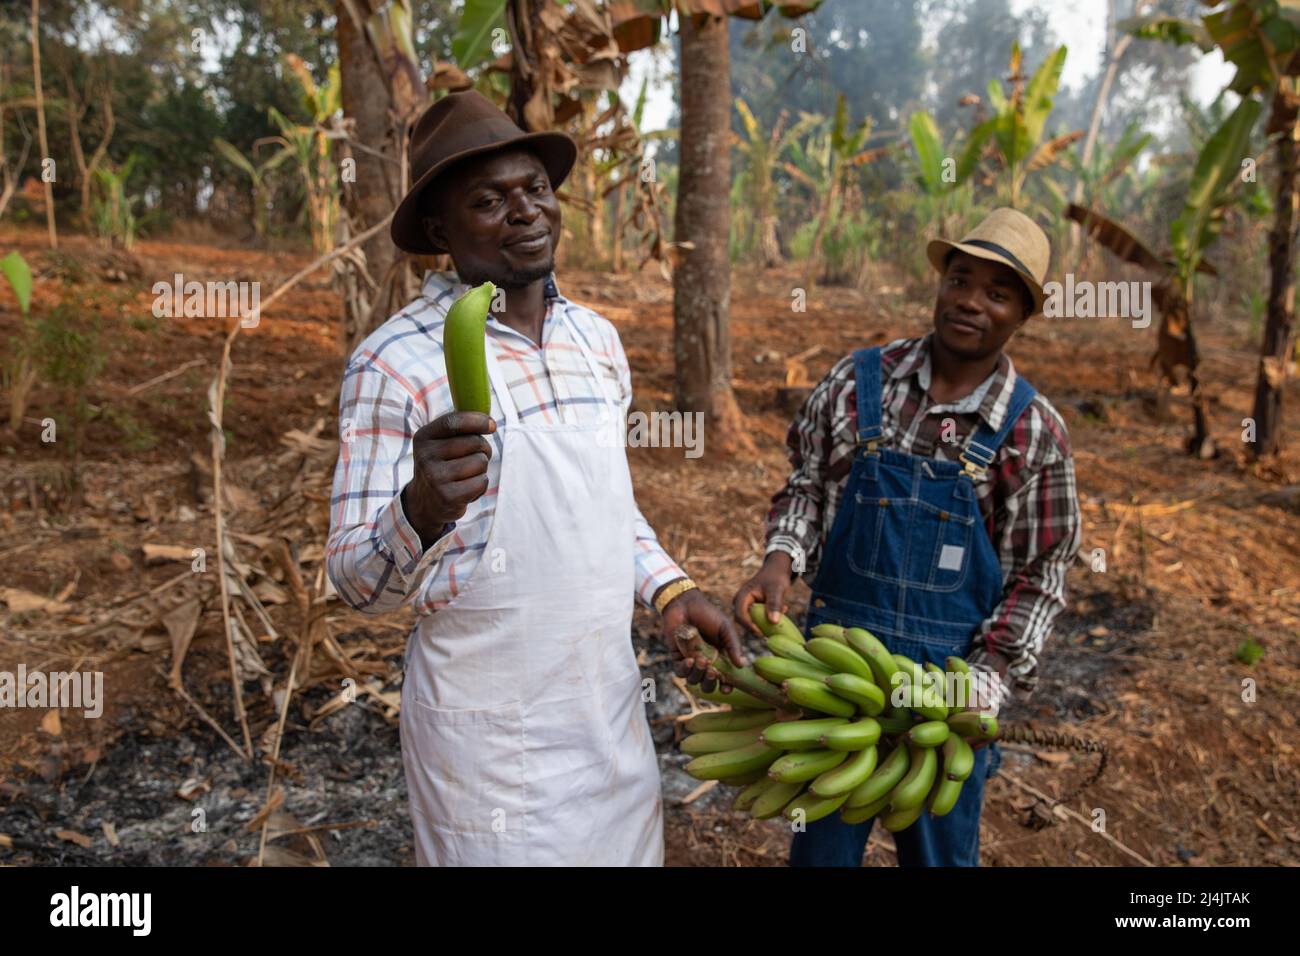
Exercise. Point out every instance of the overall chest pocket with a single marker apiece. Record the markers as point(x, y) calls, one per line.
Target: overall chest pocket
point(911, 542)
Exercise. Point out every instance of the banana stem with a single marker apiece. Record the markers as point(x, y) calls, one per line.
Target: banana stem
point(694, 647)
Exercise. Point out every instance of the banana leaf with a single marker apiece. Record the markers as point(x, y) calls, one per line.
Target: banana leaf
point(1217, 169)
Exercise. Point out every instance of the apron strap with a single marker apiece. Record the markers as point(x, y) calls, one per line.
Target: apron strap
point(497, 376)
point(984, 443)
point(866, 369)
point(578, 337)
point(498, 380)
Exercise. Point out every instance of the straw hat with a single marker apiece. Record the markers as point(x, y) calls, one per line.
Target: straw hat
point(457, 126)
point(1009, 237)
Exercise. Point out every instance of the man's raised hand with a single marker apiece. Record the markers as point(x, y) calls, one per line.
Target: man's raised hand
point(451, 459)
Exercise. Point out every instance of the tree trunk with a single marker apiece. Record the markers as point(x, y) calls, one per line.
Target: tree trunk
point(40, 123)
point(1281, 292)
point(616, 245)
point(379, 107)
point(1115, 47)
point(702, 279)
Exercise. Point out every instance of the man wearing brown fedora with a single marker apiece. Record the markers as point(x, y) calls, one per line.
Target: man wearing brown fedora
point(933, 503)
point(514, 535)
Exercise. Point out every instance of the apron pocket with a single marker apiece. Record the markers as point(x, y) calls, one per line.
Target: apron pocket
point(465, 768)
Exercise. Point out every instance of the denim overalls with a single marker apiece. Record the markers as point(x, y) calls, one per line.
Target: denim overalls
point(909, 560)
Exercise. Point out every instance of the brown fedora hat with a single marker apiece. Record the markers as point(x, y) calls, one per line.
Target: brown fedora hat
point(1007, 236)
point(457, 126)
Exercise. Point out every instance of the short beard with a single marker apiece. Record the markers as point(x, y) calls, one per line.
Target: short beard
point(512, 279)
point(522, 278)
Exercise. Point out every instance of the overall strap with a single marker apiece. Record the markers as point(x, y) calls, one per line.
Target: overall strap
point(984, 443)
point(866, 369)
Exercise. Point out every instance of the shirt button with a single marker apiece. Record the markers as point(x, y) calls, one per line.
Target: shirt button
point(884, 502)
point(943, 516)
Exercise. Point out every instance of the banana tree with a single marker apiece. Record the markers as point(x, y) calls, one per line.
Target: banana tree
point(826, 165)
point(1098, 175)
point(762, 151)
point(114, 210)
point(1014, 133)
point(946, 193)
point(1261, 38)
point(309, 144)
point(256, 173)
point(1209, 194)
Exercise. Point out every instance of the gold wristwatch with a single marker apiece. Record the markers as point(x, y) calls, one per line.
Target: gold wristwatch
point(670, 591)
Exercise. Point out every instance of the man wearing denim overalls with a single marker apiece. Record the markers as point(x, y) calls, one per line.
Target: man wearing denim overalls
point(933, 503)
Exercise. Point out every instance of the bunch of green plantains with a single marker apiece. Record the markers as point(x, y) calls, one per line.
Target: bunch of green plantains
point(835, 722)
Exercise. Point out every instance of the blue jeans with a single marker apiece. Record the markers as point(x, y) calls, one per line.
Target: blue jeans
point(952, 840)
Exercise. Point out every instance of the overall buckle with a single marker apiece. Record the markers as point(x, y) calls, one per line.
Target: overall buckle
point(973, 469)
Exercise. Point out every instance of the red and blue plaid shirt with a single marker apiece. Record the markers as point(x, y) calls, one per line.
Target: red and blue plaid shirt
point(395, 383)
point(1028, 497)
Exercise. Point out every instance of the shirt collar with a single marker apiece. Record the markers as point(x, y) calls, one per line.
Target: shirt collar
point(444, 288)
point(989, 400)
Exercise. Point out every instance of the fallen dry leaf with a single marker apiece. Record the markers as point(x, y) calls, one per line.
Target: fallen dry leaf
point(110, 833)
point(20, 601)
point(181, 623)
point(162, 553)
point(51, 724)
point(72, 836)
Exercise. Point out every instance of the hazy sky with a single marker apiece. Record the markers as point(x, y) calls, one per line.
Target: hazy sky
point(1080, 24)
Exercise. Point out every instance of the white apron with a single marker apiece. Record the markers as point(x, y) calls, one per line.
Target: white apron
point(524, 734)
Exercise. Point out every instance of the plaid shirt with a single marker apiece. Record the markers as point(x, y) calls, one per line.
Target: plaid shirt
point(1028, 498)
point(395, 383)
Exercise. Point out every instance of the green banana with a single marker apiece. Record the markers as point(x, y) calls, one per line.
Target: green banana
point(736, 698)
point(809, 808)
point(785, 626)
point(958, 758)
point(869, 698)
point(883, 666)
point(882, 780)
point(944, 797)
point(715, 742)
point(971, 723)
point(774, 799)
point(833, 631)
point(792, 650)
point(464, 346)
point(855, 736)
point(780, 669)
point(895, 724)
point(745, 799)
point(896, 820)
point(915, 695)
point(816, 696)
point(911, 790)
point(847, 776)
point(941, 677)
point(840, 657)
point(956, 665)
point(732, 763)
point(930, 733)
point(798, 767)
point(788, 734)
point(863, 814)
point(744, 779)
point(741, 678)
point(722, 720)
